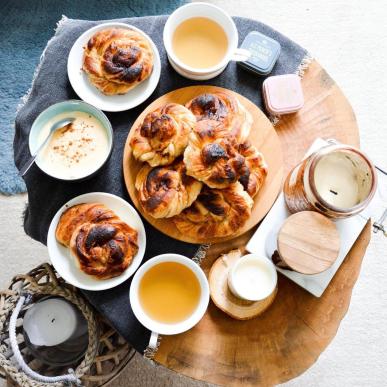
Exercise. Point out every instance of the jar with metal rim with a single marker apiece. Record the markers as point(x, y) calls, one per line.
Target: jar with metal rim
point(337, 180)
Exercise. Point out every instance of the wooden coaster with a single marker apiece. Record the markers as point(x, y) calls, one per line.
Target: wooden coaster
point(222, 296)
point(308, 243)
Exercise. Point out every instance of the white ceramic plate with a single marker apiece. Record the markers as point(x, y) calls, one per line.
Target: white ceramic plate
point(89, 93)
point(66, 265)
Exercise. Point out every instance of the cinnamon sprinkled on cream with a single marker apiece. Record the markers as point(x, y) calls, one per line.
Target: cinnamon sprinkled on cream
point(77, 149)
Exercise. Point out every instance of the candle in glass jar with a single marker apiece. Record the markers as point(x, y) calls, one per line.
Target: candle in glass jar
point(252, 278)
point(337, 181)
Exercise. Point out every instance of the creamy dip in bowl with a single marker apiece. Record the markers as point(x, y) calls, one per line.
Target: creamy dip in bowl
point(78, 150)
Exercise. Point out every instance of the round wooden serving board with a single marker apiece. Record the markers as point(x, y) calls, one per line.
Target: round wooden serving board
point(288, 338)
point(262, 135)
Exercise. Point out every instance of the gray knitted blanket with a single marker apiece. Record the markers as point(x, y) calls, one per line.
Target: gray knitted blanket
point(47, 195)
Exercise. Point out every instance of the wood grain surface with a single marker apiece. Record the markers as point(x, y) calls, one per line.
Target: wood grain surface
point(262, 135)
point(222, 296)
point(308, 242)
point(289, 337)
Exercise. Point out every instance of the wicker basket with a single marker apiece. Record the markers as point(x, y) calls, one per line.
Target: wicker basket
point(107, 353)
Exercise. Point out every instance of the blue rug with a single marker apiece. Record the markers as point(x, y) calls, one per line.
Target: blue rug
point(25, 28)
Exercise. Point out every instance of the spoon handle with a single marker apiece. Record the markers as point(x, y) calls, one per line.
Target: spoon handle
point(27, 165)
point(31, 160)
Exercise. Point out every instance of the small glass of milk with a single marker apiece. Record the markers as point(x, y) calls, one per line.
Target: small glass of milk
point(252, 278)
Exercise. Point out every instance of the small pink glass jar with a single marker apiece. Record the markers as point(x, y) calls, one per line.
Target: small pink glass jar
point(283, 94)
point(338, 181)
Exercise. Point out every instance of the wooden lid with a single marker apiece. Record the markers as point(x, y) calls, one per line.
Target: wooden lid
point(308, 242)
point(222, 296)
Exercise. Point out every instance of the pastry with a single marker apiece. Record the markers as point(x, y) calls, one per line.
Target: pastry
point(163, 135)
point(104, 250)
point(103, 245)
point(76, 215)
point(223, 107)
point(212, 156)
point(215, 213)
point(255, 168)
point(117, 59)
point(165, 191)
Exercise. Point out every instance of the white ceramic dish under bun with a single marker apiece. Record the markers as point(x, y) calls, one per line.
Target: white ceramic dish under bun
point(66, 265)
point(89, 93)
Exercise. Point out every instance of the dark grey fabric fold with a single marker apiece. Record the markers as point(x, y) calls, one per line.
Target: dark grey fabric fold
point(47, 195)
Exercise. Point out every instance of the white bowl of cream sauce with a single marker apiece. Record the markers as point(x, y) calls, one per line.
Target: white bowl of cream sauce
point(76, 151)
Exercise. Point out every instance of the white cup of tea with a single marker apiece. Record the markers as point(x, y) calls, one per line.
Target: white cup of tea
point(200, 40)
point(169, 294)
point(252, 278)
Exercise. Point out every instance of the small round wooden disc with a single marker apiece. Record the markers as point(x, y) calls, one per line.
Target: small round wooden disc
point(308, 242)
point(222, 296)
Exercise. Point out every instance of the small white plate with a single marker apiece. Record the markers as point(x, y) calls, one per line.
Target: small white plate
point(89, 93)
point(66, 265)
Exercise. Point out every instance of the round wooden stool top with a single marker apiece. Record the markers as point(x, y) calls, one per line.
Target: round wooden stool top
point(308, 242)
point(289, 337)
point(222, 296)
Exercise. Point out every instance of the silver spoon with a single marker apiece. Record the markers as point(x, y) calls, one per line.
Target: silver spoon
point(59, 125)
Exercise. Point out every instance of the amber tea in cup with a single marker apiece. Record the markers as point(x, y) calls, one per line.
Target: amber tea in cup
point(200, 42)
point(169, 292)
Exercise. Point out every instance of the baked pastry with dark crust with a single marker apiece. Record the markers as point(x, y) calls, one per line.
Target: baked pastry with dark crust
point(255, 170)
point(76, 215)
point(103, 245)
point(163, 135)
point(117, 59)
point(215, 213)
point(223, 107)
point(212, 155)
point(104, 250)
point(164, 192)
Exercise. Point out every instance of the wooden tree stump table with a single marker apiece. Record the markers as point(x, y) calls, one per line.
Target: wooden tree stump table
point(289, 337)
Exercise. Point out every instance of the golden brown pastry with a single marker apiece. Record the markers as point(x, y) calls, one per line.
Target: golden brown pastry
point(104, 250)
point(163, 135)
point(117, 59)
point(215, 213)
point(212, 156)
point(256, 168)
point(223, 107)
point(165, 191)
point(76, 215)
point(103, 245)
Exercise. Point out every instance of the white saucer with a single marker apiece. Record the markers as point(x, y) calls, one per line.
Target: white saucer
point(89, 93)
point(66, 265)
